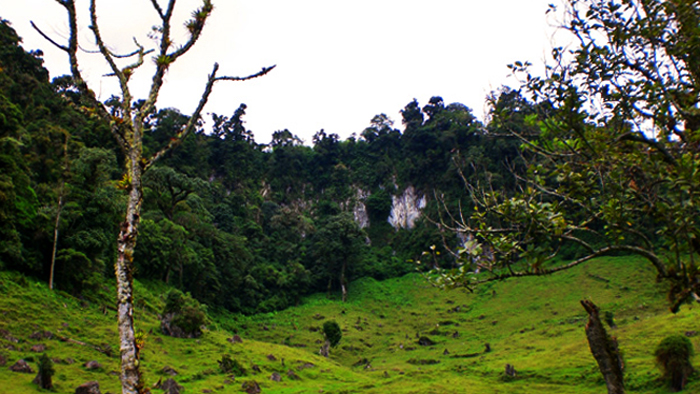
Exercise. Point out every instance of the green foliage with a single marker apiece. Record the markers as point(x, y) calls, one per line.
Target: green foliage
point(673, 355)
point(230, 365)
point(46, 371)
point(332, 332)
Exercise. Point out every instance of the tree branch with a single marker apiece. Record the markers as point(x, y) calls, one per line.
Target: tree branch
point(192, 122)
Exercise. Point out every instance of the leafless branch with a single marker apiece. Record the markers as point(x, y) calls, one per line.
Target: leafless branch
point(192, 122)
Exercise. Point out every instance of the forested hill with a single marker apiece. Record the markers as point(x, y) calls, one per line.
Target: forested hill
point(245, 226)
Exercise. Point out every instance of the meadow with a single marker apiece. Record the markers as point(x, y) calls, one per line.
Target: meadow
point(536, 325)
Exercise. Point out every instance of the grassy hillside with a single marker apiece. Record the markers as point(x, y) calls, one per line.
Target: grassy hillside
point(534, 324)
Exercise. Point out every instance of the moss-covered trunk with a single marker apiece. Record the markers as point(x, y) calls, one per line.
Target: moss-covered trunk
point(124, 268)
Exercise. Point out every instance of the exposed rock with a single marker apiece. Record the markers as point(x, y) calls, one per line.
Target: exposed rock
point(40, 348)
point(92, 364)
point(3, 360)
point(169, 371)
point(306, 366)
point(271, 357)
point(170, 386)
point(359, 211)
point(487, 348)
point(88, 388)
point(256, 368)
point(446, 352)
point(21, 366)
point(425, 341)
point(691, 333)
point(406, 209)
point(276, 377)
point(251, 387)
point(235, 339)
point(41, 335)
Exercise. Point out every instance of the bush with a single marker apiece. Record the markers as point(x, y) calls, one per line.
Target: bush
point(46, 372)
point(182, 315)
point(230, 365)
point(331, 330)
point(673, 356)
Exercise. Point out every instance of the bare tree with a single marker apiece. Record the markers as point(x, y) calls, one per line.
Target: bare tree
point(128, 129)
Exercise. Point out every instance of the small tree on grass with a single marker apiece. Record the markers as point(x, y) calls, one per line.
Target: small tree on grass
point(46, 372)
point(673, 355)
point(332, 334)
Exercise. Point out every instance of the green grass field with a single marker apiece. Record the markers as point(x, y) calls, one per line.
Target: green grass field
point(534, 324)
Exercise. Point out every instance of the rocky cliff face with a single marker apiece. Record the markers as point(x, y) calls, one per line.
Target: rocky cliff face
point(406, 208)
point(359, 211)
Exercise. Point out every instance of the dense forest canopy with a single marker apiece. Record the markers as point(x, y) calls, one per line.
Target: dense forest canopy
point(244, 226)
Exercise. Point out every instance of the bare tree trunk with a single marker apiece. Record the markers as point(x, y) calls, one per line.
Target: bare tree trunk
point(343, 285)
point(130, 375)
point(605, 350)
point(55, 235)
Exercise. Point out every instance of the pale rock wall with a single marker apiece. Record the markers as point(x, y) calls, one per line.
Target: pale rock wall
point(406, 208)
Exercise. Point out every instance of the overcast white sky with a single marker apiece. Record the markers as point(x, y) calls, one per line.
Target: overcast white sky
point(339, 63)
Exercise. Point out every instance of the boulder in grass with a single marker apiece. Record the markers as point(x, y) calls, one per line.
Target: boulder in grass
point(88, 388)
point(92, 364)
point(251, 387)
point(40, 348)
point(22, 367)
point(276, 377)
point(170, 386)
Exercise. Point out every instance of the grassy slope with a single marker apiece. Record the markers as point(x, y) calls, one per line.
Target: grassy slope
point(535, 324)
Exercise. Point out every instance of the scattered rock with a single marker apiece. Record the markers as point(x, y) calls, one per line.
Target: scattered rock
point(446, 352)
point(487, 348)
point(235, 339)
point(271, 357)
point(251, 387)
point(3, 360)
point(170, 386)
point(425, 341)
point(510, 371)
point(691, 333)
point(69, 361)
point(318, 317)
point(92, 364)
point(306, 366)
point(207, 391)
point(169, 371)
point(40, 348)
point(228, 381)
point(292, 375)
point(276, 377)
point(256, 368)
point(41, 335)
point(88, 388)
point(21, 366)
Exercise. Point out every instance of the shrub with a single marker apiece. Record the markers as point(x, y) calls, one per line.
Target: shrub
point(46, 372)
point(331, 330)
point(673, 356)
point(182, 315)
point(230, 365)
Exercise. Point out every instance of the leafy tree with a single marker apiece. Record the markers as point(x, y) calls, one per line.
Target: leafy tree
point(673, 355)
point(614, 160)
point(128, 125)
point(613, 166)
point(337, 246)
